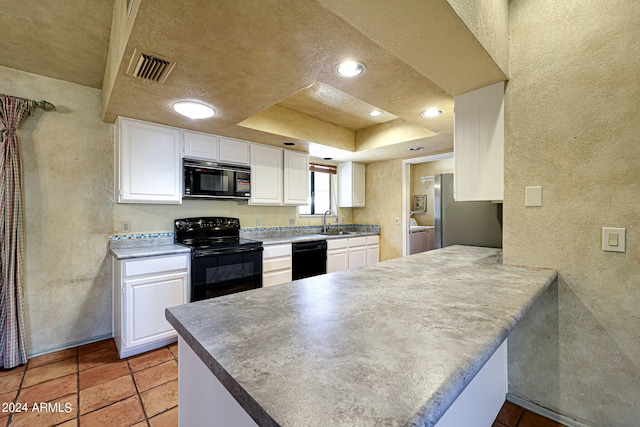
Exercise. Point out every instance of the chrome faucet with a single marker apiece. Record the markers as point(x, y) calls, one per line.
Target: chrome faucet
point(324, 220)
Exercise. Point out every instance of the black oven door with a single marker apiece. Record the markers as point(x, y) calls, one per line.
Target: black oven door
point(226, 272)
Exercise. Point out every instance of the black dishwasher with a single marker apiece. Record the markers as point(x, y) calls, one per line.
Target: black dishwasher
point(309, 259)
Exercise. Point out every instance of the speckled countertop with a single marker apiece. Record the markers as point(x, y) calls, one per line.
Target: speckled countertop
point(393, 343)
point(137, 248)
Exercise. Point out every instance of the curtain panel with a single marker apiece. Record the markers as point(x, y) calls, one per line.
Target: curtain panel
point(12, 335)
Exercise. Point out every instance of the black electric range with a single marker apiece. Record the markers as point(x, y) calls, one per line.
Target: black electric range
point(221, 261)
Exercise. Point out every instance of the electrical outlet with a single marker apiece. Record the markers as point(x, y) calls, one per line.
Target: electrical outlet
point(292, 221)
point(258, 222)
point(397, 221)
point(125, 226)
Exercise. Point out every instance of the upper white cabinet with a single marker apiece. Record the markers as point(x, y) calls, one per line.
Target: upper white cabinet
point(278, 177)
point(234, 151)
point(148, 158)
point(351, 185)
point(296, 178)
point(204, 146)
point(266, 175)
point(200, 145)
point(479, 144)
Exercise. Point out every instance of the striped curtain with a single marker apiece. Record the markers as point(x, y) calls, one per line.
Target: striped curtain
point(12, 339)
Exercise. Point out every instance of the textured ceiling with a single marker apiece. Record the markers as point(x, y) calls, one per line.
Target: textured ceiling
point(267, 66)
point(63, 39)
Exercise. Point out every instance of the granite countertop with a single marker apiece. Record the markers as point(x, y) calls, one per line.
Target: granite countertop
point(393, 343)
point(289, 238)
point(137, 248)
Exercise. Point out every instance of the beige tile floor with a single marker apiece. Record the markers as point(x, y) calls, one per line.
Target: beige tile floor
point(91, 386)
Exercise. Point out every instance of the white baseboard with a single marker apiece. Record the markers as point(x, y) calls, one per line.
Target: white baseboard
point(544, 412)
point(70, 345)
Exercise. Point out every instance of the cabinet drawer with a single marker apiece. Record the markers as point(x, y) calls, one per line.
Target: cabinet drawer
point(154, 265)
point(337, 244)
point(276, 264)
point(276, 278)
point(373, 240)
point(357, 241)
point(275, 251)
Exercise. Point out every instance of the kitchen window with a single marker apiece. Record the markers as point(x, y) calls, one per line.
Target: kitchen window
point(322, 184)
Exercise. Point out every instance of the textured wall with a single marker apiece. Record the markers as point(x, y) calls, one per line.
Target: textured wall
point(417, 187)
point(572, 124)
point(159, 218)
point(384, 205)
point(67, 160)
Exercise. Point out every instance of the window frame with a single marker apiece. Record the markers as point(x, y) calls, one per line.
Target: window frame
point(313, 169)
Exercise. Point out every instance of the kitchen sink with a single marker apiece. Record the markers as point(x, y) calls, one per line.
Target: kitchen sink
point(338, 233)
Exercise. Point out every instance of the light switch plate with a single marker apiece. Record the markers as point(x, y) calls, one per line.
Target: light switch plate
point(533, 196)
point(613, 239)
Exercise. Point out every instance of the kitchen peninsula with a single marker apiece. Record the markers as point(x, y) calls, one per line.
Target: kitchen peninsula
point(393, 343)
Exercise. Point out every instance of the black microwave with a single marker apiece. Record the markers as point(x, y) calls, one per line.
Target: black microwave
point(203, 179)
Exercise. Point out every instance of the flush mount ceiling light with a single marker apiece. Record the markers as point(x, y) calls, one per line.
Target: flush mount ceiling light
point(194, 110)
point(431, 112)
point(350, 69)
point(375, 113)
point(416, 148)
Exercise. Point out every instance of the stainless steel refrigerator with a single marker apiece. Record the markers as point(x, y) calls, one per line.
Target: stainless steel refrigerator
point(464, 223)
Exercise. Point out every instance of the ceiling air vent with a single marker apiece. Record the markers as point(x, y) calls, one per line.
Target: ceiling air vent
point(150, 67)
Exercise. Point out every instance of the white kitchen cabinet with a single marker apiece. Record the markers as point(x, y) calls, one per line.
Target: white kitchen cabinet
point(233, 151)
point(373, 249)
point(278, 177)
point(142, 289)
point(296, 178)
point(276, 264)
point(352, 252)
point(214, 148)
point(351, 185)
point(337, 255)
point(357, 252)
point(199, 145)
point(267, 174)
point(479, 144)
point(148, 162)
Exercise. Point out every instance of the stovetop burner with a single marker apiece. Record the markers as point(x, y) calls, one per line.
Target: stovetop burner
point(211, 234)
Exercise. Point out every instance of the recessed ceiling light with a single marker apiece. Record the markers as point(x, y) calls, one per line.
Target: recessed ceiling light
point(194, 110)
point(288, 144)
point(431, 112)
point(415, 148)
point(350, 69)
point(375, 113)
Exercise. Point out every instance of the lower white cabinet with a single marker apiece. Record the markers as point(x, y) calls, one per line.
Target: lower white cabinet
point(276, 264)
point(373, 249)
point(357, 252)
point(142, 289)
point(337, 255)
point(352, 252)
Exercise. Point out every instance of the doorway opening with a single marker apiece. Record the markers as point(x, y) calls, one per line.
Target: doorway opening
point(422, 190)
